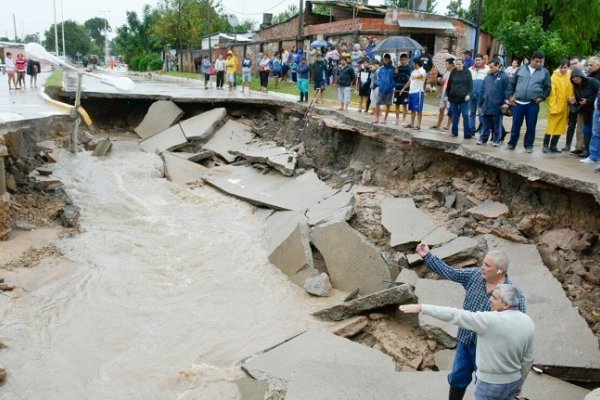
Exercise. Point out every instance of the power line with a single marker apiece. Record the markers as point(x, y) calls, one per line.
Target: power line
point(258, 13)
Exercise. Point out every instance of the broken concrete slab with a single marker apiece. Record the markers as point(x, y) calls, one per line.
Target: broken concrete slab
point(352, 260)
point(333, 381)
point(161, 115)
point(168, 140)
point(180, 170)
point(229, 139)
point(408, 225)
point(289, 245)
point(444, 359)
point(270, 190)
point(102, 148)
point(559, 238)
point(319, 285)
point(393, 296)
point(439, 292)
point(407, 276)
point(456, 251)
point(594, 395)
point(44, 183)
point(196, 157)
point(277, 364)
point(564, 344)
point(203, 126)
point(489, 209)
point(339, 207)
point(251, 389)
point(269, 153)
point(350, 327)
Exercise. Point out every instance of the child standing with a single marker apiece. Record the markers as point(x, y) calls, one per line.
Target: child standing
point(363, 85)
point(246, 72)
point(302, 71)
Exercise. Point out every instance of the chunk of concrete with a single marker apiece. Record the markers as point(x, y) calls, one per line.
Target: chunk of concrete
point(168, 140)
point(408, 225)
point(393, 296)
point(559, 238)
point(350, 327)
point(203, 126)
point(270, 190)
point(319, 285)
point(407, 276)
point(276, 365)
point(289, 245)
point(251, 389)
point(564, 344)
point(488, 210)
point(439, 292)
point(456, 251)
point(180, 170)
point(339, 207)
point(352, 260)
point(334, 381)
point(196, 157)
point(103, 147)
point(229, 139)
point(161, 115)
point(44, 183)
point(444, 359)
point(593, 395)
point(269, 153)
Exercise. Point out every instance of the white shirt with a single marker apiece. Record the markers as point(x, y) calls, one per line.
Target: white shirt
point(417, 81)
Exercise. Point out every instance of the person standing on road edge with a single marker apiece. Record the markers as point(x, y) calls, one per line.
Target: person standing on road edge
point(479, 283)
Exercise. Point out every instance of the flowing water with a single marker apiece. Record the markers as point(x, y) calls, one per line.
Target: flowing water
point(172, 287)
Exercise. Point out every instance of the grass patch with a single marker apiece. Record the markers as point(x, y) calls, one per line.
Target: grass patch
point(55, 79)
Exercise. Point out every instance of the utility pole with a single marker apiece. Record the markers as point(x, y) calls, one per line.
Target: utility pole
point(299, 40)
point(179, 55)
point(15, 27)
point(62, 16)
point(106, 52)
point(477, 29)
point(55, 31)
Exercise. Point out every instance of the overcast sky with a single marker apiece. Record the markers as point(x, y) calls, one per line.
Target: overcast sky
point(33, 16)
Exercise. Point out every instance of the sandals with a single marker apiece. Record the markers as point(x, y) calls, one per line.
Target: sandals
point(417, 128)
point(408, 126)
point(434, 127)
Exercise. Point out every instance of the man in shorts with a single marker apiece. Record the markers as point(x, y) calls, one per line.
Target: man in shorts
point(318, 71)
point(386, 84)
point(416, 94)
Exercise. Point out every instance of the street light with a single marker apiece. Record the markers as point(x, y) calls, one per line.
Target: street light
point(55, 31)
point(62, 16)
point(106, 52)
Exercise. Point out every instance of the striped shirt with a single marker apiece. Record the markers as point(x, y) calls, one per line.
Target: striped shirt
point(477, 298)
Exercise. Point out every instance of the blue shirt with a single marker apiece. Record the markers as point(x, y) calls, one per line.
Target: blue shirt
point(477, 298)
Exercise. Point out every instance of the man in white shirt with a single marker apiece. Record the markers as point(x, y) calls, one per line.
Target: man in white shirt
point(478, 72)
point(416, 94)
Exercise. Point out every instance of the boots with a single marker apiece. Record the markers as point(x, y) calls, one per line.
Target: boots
point(301, 97)
point(456, 394)
point(586, 148)
point(546, 144)
point(306, 97)
point(553, 144)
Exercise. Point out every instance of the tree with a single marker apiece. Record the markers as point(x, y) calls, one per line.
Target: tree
point(32, 37)
point(408, 4)
point(76, 38)
point(97, 30)
point(455, 9)
point(575, 22)
point(288, 13)
point(136, 37)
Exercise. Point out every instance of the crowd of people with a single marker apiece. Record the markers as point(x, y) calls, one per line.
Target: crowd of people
point(16, 69)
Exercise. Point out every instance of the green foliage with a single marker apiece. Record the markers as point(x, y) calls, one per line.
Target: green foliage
point(291, 11)
point(521, 39)
point(456, 9)
point(97, 29)
point(55, 79)
point(136, 37)
point(145, 62)
point(76, 38)
point(575, 22)
point(431, 4)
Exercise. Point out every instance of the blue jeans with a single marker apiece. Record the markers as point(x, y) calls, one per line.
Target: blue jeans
point(494, 391)
point(473, 114)
point(529, 112)
point(595, 141)
point(587, 131)
point(490, 126)
point(457, 110)
point(463, 367)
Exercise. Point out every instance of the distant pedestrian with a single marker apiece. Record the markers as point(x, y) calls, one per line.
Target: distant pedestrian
point(206, 70)
point(319, 75)
point(230, 70)
point(492, 95)
point(10, 71)
point(345, 80)
point(33, 68)
point(402, 77)
point(276, 68)
point(458, 93)
point(416, 94)
point(363, 86)
point(585, 90)
point(529, 87)
point(264, 70)
point(444, 106)
point(303, 71)
point(220, 67)
point(246, 71)
point(558, 107)
point(386, 86)
point(21, 68)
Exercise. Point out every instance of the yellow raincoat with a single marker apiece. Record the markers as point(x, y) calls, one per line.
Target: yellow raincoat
point(558, 103)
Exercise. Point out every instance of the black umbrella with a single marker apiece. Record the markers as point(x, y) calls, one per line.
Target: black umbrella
point(398, 43)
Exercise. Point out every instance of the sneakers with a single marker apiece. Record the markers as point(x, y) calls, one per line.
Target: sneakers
point(528, 149)
point(495, 144)
point(509, 147)
point(480, 143)
point(545, 150)
point(577, 152)
point(587, 161)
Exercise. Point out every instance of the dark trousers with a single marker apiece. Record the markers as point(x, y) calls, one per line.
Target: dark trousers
point(490, 125)
point(220, 78)
point(457, 110)
point(529, 113)
point(264, 78)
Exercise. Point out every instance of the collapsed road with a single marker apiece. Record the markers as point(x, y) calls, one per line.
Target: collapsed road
point(337, 208)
